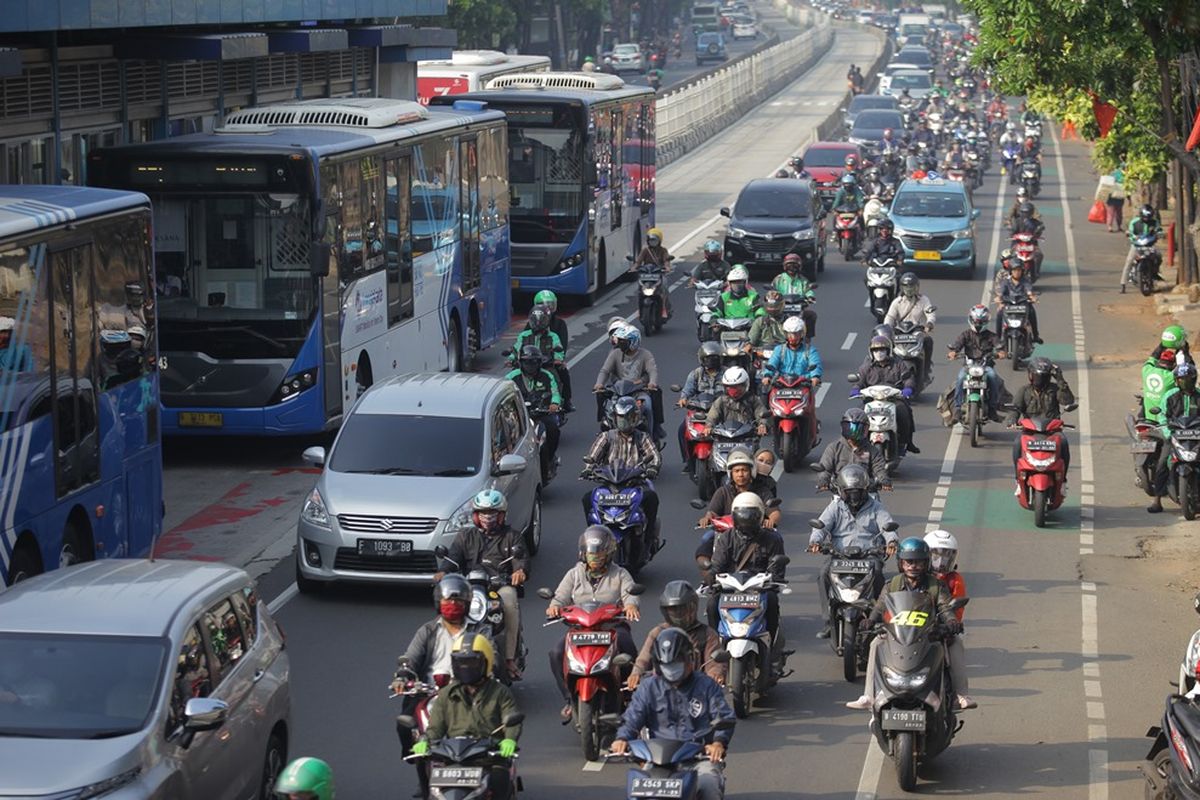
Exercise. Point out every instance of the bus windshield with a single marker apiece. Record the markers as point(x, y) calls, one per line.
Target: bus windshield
point(545, 170)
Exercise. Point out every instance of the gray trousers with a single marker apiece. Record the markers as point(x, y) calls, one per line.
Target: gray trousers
point(1125, 270)
point(512, 620)
point(710, 782)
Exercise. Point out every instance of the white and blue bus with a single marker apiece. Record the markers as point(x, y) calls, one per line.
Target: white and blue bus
point(80, 453)
point(307, 250)
point(581, 168)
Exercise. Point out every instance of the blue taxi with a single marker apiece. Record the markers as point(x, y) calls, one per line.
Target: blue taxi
point(935, 222)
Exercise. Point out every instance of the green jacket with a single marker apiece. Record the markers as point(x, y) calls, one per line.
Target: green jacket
point(1156, 384)
point(544, 382)
point(459, 713)
point(547, 341)
point(785, 284)
point(766, 332)
point(731, 307)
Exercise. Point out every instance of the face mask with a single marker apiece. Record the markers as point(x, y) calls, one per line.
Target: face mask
point(764, 466)
point(453, 611)
point(734, 391)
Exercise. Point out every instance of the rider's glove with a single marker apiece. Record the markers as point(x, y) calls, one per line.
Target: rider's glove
point(954, 627)
point(855, 392)
point(420, 748)
point(508, 747)
point(906, 392)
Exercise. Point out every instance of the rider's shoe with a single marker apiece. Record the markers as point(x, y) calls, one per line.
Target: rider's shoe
point(863, 703)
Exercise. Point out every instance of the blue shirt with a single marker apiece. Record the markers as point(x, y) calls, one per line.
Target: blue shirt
point(17, 359)
point(684, 713)
point(804, 361)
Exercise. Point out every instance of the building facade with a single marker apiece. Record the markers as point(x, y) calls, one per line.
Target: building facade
point(76, 75)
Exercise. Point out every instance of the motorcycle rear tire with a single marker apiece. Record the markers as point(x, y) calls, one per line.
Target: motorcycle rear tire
point(850, 654)
point(741, 684)
point(1187, 500)
point(973, 422)
point(588, 716)
point(906, 760)
point(649, 319)
point(1146, 281)
point(704, 479)
point(1039, 508)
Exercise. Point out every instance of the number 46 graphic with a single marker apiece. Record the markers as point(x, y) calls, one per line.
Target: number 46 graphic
point(911, 619)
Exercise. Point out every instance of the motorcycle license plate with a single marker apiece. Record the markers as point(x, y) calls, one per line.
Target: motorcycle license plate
point(904, 339)
point(850, 566)
point(1042, 446)
point(896, 720)
point(590, 638)
point(789, 394)
point(615, 500)
point(384, 548)
point(1186, 434)
point(657, 787)
point(1143, 447)
point(739, 600)
point(927, 255)
point(455, 776)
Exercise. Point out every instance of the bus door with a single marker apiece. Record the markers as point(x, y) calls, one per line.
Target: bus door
point(73, 371)
point(468, 172)
point(617, 176)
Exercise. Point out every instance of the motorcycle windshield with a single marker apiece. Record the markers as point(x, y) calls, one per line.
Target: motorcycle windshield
point(625, 388)
point(733, 430)
point(908, 618)
point(459, 749)
point(619, 476)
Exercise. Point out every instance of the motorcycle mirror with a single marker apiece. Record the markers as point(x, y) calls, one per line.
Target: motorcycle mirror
point(610, 720)
point(724, 724)
point(1196, 603)
point(814, 466)
point(506, 353)
point(816, 524)
point(1070, 406)
point(406, 721)
point(932, 309)
point(853, 377)
point(959, 602)
point(675, 387)
point(781, 560)
point(440, 551)
point(697, 503)
point(721, 657)
point(892, 526)
point(706, 564)
point(514, 719)
point(629, 259)
point(622, 660)
point(774, 502)
point(545, 593)
point(636, 589)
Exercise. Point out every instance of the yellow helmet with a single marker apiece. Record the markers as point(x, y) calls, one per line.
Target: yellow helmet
point(465, 656)
point(654, 232)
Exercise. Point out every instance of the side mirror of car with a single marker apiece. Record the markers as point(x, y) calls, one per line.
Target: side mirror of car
point(510, 464)
point(853, 377)
point(318, 259)
point(724, 211)
point(816, 524)
point(545, 593)
point(892, 526)
point(697, 503)
point(204, 714)
point(315, 456)
point(636, 589)
point(974, 213)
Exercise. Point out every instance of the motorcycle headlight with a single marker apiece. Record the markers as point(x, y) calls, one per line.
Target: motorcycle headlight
point(1187, 455)
point(965, 233)
point(848, 595)
point(804, 234)
point(900, 681)
point(738, 630)
point(314, 512)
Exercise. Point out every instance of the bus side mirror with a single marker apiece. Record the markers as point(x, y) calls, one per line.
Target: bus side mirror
point(318, 259)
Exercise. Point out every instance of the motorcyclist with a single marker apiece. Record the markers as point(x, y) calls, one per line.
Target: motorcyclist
point(1027, 222)
point(538, 334)
point(943, 563)
point(1010, 137)
point(677, 702)
point(539, 384)
point(923, 136)
point(1046, 395)
point(888, 144)
point(656, 254)
point(883, 368)
point(304, 779)
point(632, 362)
point(1146, 223)
point(978, 343)
point(852, 519)
point(792, 281)
point(712, 267)
point(558, 326)
point(626, 446)
point(751, 547)
point(743, 477)
point(680, 605)
point(738, 403)
point(704, 379)
point(885, 245)
point(739, 301)
point(853, 448)
point(1029, 116)
point(1180, 402)
point(912, 306)
point(849, 195)
point(954, 158)
point(914, 557)
point(797, 165)
point(492, 545)
point(795, 357)
point(1031, 152)
point(474, 705)
point(593, 579)
point(1014, 211)
point(767, 330)
point(1016, 289)
point(1158, 378)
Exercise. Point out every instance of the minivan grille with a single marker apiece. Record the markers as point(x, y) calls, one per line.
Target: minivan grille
point(402, 525)
point(421, 563)
point(779, 244)
point(939, 242)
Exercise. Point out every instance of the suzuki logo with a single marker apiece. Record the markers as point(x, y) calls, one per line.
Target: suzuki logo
point(385, 523)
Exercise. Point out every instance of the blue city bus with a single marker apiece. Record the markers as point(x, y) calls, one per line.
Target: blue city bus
point(307, 250)
point(80, 453)
point(581, 168)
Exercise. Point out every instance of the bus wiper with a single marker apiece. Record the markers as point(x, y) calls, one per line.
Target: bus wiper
point(256, 334)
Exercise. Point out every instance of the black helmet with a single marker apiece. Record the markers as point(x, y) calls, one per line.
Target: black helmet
point(909, 285)
point(854, 424)
point(709, 355)
point(1040, 370)
point(797, 163)
point(886, 226)
point(1025, 209)
point(673, 655)
point(539, 319)
point(1185, 377)
point(679, 603)
point(773, 303)
point(626, 414)
point(1146, 212)
point(853, 482)
point(782, 173)
point(531, 360)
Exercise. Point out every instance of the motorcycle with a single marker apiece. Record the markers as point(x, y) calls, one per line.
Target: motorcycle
point(1145, 441)
point(882, 285)
point(873, 213)
point(698, 444)
point(934, 120)
point(1146, 261)
point(485, 614)
point(913, 715)
point(1174, 770)
point(976, 401)
point(727, 437)
point(651, 295)
point(1008, 161)
point(908, 343)
point(756, 663)
point(1018, 336)
point(1041, 473)
point(794, 305)
point(734, 336)
point(667, 769)
point(879, 404)
point(593, 670)
point(1189, 668)
point(1030, 176)
point(1025, 250)
point(1183, 481)
point(847, 227)
point(461, 766)
point(707, 295)
point(617, 505)
point(1033, 130)
point(539, 411)
point(797, 430)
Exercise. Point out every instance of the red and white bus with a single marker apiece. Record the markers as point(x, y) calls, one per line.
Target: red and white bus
point(470, 71)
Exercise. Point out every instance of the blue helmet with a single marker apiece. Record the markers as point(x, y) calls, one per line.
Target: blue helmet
point(628, 339)
point(712, 247)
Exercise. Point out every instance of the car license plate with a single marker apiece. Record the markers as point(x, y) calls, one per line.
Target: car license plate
point(456, 776)
point(590, 638)
point(745, 600)
point(384, 548)
point(927, 255)
point(1143, 447)
point(772, 256)
point(850, 566)
point(897, 720)
point(1186, 433)
point(657, 787)
point(201, 419)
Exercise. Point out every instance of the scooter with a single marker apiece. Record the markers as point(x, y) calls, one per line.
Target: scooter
point(727, 437)
point(1183, 481)
point(699, 444)
point(879, 404)
point(1025, 250)
point(1189, 667)
point(1041, 473)
point(609, 396)
point(539, 411)
point(882, 285)
point(797, 430)
point(913, 714)
point(1030, 177)
point(707, 295)
point(652, 295)
point(734, 336)
point(593, 669)
point(668, 766)
point(461, 765)
point(756, 663)
point(1174, 769)
point(485, 614)
point(908, 343)
point(1018, 336)
point(1008, 162)
point(873, 214)
point(1146, 262)
point(1145, 441)
point(847, 227)
point(617, 505)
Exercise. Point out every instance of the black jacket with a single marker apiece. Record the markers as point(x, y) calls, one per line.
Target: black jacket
point(976, 345)
point(721, 504)
point(472, 548)
point(1048, 402)
point(731, 547)
point(885, 248)
point(893, 372)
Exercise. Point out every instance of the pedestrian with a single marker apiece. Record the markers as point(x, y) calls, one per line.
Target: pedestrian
point(1114, 206)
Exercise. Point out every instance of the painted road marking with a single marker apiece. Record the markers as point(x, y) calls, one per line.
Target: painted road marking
point(821, 392)
point(850, 337)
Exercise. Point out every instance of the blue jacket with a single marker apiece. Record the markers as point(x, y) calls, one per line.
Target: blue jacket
point(670, 713)
point(804, 361)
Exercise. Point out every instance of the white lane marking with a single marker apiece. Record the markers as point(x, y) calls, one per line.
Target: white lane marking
point(593, 766)
point(850, 337)
point(821, 392)
point(283, 598)
point(869, 780)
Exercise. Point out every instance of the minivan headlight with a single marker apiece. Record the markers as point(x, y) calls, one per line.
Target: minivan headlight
point(965, 233)
point(735, 233)
point(461, 519)
point(804, 234)
point(314, 512)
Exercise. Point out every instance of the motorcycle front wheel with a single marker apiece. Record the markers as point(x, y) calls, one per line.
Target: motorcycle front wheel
point(741, 684)
point(1187, 498)
point(1039, 508)
point(973, 422)
point(649, 319)
point(588, 715)
point(1145, 281)
point(906, 760)
point(787, 450)
point(850, 654)
point(704, 479)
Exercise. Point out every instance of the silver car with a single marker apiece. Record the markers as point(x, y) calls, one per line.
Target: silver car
point(129, 679)
point(399, 479)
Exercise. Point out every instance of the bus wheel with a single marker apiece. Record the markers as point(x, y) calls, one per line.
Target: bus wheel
point(472, 344)
point(74, 549)
point(362, 375)
point(454, 357)
point(25, 562)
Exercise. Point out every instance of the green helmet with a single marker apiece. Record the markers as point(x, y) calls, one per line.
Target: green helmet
point(546, 298)
point(305, 778)
point(1174, 336)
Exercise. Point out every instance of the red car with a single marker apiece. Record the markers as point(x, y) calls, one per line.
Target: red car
point(826, 162)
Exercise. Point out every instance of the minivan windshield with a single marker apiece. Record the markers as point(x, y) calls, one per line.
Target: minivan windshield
point(877, 119)
point(864, 102)
point(929, 204)
point(62, 686)
point(404, 444)
point(910, 80)
point(772, 201)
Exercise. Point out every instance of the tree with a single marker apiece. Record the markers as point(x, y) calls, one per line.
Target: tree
point(481, 24)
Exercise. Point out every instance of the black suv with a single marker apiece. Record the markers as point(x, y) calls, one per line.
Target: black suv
point(773, 217)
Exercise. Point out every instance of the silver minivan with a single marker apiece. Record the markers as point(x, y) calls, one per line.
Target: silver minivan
point(127, 679)
point(398, 482)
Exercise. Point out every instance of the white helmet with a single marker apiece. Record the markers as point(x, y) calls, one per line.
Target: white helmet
point(943, 550)
point(794, 325)
point(740, 458)
point(738, 273)
point(615, 324)
point(7, 323)
point(748, 511)
point(736, 382)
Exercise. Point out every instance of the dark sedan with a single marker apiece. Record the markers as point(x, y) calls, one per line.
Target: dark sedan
point(773, 217)
point(869, 127)
point(867, 102)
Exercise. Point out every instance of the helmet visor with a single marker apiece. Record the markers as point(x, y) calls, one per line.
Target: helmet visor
point(942, 559)
point(469, 668)
point(680, 616)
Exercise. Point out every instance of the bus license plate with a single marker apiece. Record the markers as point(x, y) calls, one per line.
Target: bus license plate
point(456, 776)
point(927, 255)
point(384, 548)
point(897, 720)
point(201, 419)
point(656, 787)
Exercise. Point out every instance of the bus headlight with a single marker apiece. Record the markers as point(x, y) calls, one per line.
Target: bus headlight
point(294, 384)
point(570, 261)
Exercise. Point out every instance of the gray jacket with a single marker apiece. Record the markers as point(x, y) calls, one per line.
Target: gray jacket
point(613, 587)
point(918, 310)
point(844, 528)
point(421, 650)
point(639, 367)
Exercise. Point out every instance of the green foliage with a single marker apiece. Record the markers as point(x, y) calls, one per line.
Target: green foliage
point(481, 24)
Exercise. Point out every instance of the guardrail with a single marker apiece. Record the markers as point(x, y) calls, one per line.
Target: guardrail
point(694, 113)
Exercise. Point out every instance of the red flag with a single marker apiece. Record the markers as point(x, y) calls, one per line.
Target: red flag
point(1105, 114)
point(1194, 139)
